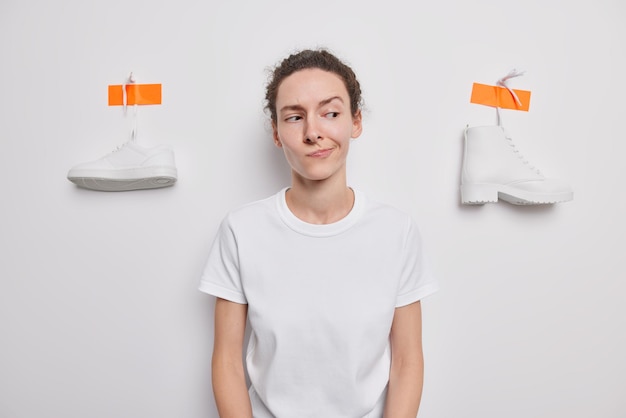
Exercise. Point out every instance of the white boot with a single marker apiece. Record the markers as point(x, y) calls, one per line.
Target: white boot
point(493, 168)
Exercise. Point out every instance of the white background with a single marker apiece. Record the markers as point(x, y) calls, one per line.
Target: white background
point(99, 312)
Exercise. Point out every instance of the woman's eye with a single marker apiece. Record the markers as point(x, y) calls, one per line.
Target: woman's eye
point(293, 118)
point(332, 114)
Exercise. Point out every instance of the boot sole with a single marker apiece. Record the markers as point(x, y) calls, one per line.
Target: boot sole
point(479, 194)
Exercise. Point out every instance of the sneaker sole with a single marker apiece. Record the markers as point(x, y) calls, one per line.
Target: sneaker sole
point(124, 180)
point(479, 194)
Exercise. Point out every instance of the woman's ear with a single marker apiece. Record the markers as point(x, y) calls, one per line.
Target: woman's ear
point(275, 135)
point(357, 124)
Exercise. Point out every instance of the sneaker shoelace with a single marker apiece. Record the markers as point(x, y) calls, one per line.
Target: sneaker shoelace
point(130, 81)
point(133, 131)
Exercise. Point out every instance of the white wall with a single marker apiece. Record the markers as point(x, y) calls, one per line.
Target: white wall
point(99, 312)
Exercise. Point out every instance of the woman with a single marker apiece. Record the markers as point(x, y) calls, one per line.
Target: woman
point(329, 280)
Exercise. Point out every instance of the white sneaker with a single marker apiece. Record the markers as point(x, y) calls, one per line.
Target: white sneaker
point(494, 169)
point(130, 167)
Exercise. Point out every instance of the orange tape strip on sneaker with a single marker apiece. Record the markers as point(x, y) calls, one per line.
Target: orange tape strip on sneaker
point(140, 94)
point(496, 96)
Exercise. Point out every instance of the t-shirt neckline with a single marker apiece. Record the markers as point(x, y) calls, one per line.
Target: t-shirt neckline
point(315, 230)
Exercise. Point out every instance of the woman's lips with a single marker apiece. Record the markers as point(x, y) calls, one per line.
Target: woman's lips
point(322, 153)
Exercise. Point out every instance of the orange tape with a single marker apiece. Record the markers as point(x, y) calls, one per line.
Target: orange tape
point(141, 94)
point(497, 96)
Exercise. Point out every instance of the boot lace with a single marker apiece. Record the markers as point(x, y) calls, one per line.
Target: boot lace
point(519, 154)
point(503, 82)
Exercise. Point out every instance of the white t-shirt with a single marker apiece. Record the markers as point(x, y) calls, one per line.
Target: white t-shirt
point(321, 299)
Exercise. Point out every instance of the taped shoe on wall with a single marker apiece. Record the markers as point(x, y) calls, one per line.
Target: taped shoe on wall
point(494, 169)
point(131, 166)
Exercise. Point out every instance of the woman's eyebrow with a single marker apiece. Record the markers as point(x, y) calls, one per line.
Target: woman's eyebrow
point(322, 103)
point(330, 99)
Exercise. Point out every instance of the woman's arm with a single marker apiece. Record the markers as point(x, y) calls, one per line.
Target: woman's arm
point(407, 363)
point(229, 384)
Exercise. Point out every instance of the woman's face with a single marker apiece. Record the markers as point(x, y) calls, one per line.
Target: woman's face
point(315, 124)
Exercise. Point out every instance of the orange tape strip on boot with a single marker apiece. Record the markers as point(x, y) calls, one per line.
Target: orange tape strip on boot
point(140, 94)
point(496, 96)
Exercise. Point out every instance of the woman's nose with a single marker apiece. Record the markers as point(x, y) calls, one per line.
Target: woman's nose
point(311, 135)
point(312, 139)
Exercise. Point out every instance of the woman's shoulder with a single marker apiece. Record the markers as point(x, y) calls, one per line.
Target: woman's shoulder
point(252, 210)
point(381, 208)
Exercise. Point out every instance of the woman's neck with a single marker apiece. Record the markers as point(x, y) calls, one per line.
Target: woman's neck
point(320, 202)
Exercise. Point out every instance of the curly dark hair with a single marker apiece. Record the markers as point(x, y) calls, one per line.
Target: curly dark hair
point(306, 59)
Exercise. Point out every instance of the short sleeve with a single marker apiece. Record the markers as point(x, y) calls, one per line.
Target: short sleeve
point(416, 279)
point(221, 276)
